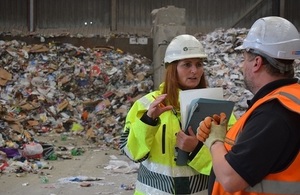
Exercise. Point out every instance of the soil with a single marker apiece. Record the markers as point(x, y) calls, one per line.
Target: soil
point(97, 170)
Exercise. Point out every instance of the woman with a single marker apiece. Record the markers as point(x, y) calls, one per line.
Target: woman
point(153, 132)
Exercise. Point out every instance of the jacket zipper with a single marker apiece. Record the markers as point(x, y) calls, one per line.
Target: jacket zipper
point(163, 139)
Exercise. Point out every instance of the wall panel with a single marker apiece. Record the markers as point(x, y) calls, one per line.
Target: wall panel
point(134, 16)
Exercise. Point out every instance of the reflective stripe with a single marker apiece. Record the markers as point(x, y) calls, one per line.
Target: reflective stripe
point(293, 99)
point(290, 96)
point(142, 188)
point(275, 187)
point(145, 189)
point(123, 139)
point(145, 102)
point(153, 180)
point(182, 171)
point(199, 183)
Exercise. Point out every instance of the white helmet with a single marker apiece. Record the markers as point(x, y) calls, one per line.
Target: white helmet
point(183, 47)
point(275, 37)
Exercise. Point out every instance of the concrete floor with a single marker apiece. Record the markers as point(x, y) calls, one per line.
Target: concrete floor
point(94, 168)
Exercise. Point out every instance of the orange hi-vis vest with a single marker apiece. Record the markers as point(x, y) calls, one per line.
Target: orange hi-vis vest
point(281, 183)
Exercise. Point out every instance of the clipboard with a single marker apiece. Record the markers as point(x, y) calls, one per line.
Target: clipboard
point(197, 111)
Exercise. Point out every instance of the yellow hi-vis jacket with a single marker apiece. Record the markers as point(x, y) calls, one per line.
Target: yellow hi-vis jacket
point(281, 183)
point(154, 147)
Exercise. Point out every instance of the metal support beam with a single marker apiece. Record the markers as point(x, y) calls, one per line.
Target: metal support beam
point(247, 12)
point(113, 21)
point(31, 15)
point(281, 8)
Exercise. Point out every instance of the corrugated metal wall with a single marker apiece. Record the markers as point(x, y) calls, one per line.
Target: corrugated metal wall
point(291, 12)
point(77, 15)
point(13, 15)
point(202, 15)
point(134, 16)
point(227, 14)
point(72, 13)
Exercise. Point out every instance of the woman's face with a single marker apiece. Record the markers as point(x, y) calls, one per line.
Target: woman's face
point(189, 72)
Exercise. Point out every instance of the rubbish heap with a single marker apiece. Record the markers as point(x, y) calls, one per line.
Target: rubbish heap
point(60, 88)
point(65, 89)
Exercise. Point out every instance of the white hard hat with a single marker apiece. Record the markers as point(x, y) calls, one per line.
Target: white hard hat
point(275, 37)
point(183, 47)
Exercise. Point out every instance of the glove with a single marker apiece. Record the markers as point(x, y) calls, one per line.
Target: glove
point(203, 130)
point(204, 127)
point(217, 131)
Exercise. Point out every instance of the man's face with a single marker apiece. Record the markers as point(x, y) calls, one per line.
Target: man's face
point(247, 71)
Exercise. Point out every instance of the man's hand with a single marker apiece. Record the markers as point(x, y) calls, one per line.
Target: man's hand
point(204, 127)
point(212, 129)
point(203, 130)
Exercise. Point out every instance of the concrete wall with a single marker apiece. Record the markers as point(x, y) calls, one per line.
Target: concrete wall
point(168, 22)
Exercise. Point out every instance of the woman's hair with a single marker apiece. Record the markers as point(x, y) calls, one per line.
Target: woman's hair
point(172, 86)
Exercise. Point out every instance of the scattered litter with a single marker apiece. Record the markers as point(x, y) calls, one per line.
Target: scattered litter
point(85, 185)
point(44, 179)
point(79, 179)
point(85, 181)
point(121, 166)
point(128, 187)
point(25, 184)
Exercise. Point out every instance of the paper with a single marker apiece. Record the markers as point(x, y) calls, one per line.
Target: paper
point(197, 104)
point(187, 96)
point(202, 107)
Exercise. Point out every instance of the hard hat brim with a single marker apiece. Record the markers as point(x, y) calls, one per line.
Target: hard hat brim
point(175, 58)
point(241, 47)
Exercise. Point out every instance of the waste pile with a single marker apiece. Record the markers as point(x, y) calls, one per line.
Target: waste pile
point(68, 90)
point(60, 88)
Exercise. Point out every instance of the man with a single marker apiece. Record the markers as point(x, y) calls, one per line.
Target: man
point(260, 153)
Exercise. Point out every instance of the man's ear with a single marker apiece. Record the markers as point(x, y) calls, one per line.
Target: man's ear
point(258, 63)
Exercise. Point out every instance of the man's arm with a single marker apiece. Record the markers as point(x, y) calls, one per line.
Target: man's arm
point(225, 174)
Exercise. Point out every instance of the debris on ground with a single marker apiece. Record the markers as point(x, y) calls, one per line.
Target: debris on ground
point(57, 88)
point(63, 92)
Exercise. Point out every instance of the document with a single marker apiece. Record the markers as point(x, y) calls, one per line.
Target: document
point(202, 107)
point(197, 104)
point(187, 96)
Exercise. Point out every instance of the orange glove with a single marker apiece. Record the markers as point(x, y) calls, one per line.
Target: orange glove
point(212, 129)
point(204, 128)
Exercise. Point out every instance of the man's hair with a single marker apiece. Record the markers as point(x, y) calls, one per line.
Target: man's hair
point(275, 71)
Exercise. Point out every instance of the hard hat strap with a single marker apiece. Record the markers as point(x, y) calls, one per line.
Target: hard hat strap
point(274, 62)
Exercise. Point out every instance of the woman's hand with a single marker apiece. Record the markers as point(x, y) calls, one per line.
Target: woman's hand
point(157, 108)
